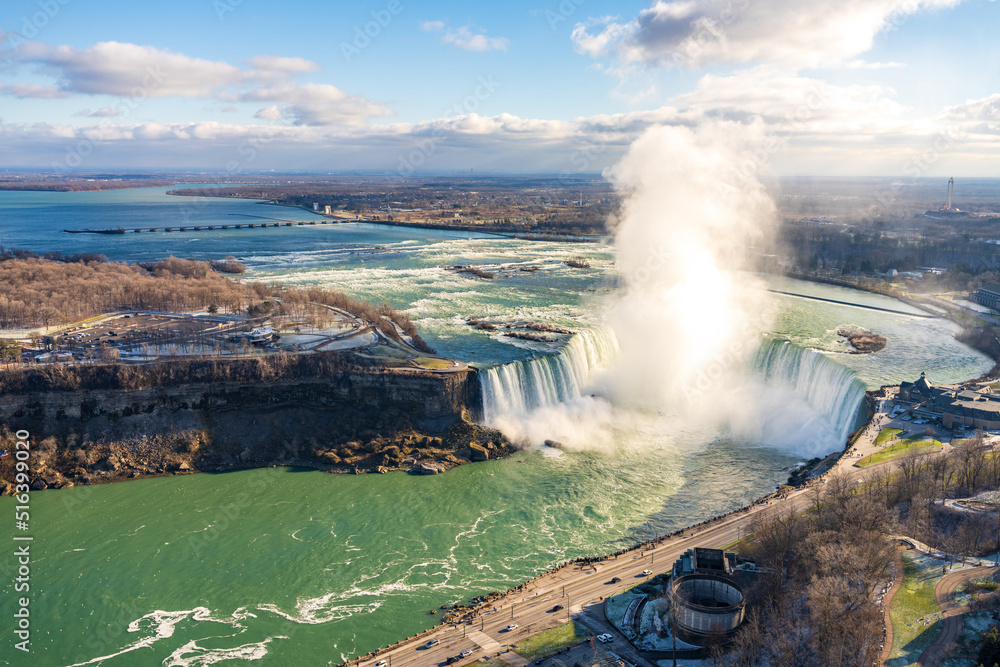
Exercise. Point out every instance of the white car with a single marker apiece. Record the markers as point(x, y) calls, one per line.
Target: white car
point(380, 663)
point(465, 653)
point(646, 573)
point(605, 638)
point(512, 626)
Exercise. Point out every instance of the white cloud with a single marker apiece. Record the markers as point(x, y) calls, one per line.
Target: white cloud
point(862, 64)
point(103, 112)
point(269, 113)
point(318, 104)
point(133, 71)
point(814, 33)
point(282, 66)
point(820, 127)
point(31, 90)
point(115, 68)
point(977, 116)
point(464, 38)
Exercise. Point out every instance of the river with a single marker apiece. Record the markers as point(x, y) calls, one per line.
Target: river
point(296, 567)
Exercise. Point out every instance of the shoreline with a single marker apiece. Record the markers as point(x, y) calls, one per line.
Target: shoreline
point(511, 233)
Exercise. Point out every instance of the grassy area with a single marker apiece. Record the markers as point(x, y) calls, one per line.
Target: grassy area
point(492, 662)
point(887, 434)
point(919, 444)
point(977, 585)
point(432, 363)
point(913, 609)
point(552, 641)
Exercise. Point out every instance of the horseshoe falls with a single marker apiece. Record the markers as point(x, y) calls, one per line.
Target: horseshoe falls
point(789, 396)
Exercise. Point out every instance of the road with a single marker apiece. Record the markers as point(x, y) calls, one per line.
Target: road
point(581, 588)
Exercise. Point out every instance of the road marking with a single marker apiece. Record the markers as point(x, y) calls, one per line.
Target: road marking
point(483, 640)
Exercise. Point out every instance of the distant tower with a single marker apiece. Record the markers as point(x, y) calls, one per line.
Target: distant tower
point(951, 188)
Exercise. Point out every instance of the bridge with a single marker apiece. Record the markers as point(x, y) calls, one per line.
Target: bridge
point(267, 222)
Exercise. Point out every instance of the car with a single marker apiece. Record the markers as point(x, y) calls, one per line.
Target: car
point(381, 663)
point(112, 333)
point(605, 638)
point(557, 607)
point(432, 642)
point(465, 653)
point(646, 573)
point(512, 626)
point(616, 580)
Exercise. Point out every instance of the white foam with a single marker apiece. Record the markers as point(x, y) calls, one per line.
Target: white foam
point(206, 656)
point(163, 623)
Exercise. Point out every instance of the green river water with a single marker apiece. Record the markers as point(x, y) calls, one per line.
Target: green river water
point(296, 567)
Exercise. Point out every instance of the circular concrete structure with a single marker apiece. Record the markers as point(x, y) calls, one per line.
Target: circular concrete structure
point(707, 604)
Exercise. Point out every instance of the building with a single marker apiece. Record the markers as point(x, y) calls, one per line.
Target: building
point(706, 598)
point(705, 561)
point(972, 408)
point(987, 295)
point(918, 391)
point(326, 210)
point(315, 206)
point(954, 407)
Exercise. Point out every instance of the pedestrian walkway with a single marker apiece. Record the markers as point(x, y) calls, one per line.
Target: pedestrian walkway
point(943, 555)
point(952, 622)
point(483, 640)
point(897, 581)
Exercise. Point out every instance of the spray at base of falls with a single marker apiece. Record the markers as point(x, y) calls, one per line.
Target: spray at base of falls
point(788, 397)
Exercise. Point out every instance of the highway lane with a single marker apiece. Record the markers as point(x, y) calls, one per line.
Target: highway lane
point(581, 588)
point(578, 587)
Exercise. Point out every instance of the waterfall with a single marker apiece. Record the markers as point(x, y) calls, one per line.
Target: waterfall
point(517, 388)
point(831, 390)
point(789, 397)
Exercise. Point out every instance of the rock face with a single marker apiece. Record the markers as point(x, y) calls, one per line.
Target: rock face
point(358, 421)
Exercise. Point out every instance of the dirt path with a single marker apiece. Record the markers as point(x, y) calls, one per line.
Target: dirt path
point(887, 606)
point(951, 624)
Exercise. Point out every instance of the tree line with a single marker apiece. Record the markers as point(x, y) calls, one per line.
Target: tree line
point(56, 290)
point(814, 603)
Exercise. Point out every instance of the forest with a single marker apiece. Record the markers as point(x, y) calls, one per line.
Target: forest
point(57, 290)
point(815, 601)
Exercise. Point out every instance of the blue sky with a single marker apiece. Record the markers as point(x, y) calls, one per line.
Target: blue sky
point(849, 86)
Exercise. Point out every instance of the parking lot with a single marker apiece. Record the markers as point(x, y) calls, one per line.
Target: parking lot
point(140, 334)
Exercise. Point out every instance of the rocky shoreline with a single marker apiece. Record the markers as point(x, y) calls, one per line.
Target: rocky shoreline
point(351, 421)
point(190, 452)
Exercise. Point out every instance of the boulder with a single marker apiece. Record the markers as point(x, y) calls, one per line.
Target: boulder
point(426, 469)
point(479, 453)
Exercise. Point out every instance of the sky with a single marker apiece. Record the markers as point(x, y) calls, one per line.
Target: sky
point(896, 88)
